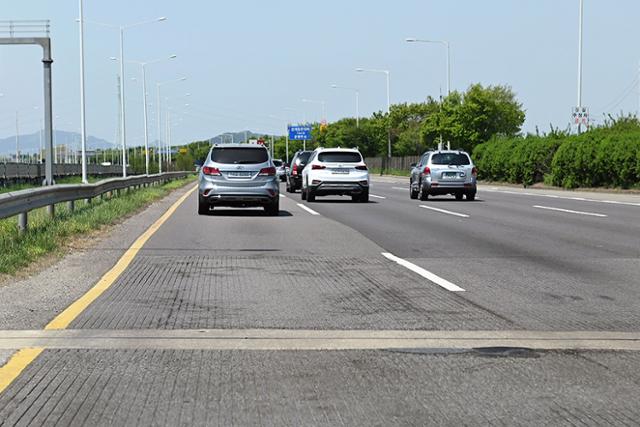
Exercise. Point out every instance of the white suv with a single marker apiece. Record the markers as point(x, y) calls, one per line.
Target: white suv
point(335, 171)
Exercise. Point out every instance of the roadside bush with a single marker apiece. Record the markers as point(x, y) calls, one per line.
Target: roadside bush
point(601, 158)
point(516, 160)
point(608, 156)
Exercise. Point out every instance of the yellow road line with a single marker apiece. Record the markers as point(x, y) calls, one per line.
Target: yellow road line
point(25, 356)
point(62, 320)
point(16, 365)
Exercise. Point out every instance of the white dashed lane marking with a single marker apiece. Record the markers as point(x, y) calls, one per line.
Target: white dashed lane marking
point(311, 211)
point(424, 273)
point(549, 208)
point(444, 211)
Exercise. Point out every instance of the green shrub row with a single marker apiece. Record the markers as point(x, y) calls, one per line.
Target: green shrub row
point(604, 157)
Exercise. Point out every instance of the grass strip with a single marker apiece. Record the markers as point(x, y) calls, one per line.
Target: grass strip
point(48, 236)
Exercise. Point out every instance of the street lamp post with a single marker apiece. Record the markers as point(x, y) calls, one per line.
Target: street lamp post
point(83, 121)
point(448, 46)
point(387, 73)
point(160, 145)
point(322, 119)
point(357, 92)
point(580, 22)
point(123, 130)
point(144, 102)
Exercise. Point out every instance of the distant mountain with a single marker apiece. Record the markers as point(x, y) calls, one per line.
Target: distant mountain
point(29, 143)
point(234, 137)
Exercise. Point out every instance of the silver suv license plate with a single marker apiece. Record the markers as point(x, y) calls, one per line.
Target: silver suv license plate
point(239, 174)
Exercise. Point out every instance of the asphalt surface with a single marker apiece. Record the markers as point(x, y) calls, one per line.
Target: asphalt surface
point(527, 260)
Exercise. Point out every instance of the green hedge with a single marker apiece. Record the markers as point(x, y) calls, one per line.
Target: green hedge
point(604, 157)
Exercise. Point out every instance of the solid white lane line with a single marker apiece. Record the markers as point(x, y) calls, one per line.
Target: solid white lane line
point(283, 196)
point(311, 211)
point(424, 273)
point(554, 196)
point(445, 211)
point(398, 188)
point(377, 197)
point(570, 211)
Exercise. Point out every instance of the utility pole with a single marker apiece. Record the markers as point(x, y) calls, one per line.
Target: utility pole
point(17, 139)
point(83, 121)
point(580, 62)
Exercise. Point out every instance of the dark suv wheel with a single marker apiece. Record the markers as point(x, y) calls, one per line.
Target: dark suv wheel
point(273, 208)
point(203, 206)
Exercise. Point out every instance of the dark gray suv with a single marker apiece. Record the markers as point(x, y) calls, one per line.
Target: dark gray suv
point(238, 175)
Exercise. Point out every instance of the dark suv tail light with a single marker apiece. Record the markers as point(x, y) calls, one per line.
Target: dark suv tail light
point(314, 167)
point(270, 171)
point(294, 171)
point(208, 170)
point(361, 168)
point(427, 170)
point(474, 171)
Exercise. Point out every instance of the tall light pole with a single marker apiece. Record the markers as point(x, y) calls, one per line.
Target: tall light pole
point(322, 103)
point(123, 129)
point(387, 73)
point(83, 121)
point(291, 110)
point(144, 102)
point(159, 112)
point(580, 17)
point(357, 91)
point(323, 118)
point(448, 46)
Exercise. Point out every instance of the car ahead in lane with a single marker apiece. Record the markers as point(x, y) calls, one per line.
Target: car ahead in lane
point(238, 175)
point(281, 169)
point(443, 172)
point(336, 171)
point(294, 173)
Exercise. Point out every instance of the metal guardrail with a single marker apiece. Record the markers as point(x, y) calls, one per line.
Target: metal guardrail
point(11, 172)
point(22, 201)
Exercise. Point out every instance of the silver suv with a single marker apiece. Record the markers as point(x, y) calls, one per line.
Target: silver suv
point(443, 172)
point(238, 175)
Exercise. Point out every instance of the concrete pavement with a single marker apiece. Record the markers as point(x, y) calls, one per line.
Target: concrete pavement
point(199, 328)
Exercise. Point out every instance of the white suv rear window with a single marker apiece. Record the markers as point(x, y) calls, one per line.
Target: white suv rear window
point(339, 157)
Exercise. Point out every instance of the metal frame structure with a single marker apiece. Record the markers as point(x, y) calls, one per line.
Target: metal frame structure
point(36, 33)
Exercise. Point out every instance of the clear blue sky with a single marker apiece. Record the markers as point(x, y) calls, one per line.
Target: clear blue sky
point(246, 60)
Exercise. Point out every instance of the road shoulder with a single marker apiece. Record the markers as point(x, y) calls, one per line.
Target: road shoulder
point(32, 302)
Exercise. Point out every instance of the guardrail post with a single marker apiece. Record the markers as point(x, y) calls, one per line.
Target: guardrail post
point(51, 211)
point(22, 223)
point(71, 205)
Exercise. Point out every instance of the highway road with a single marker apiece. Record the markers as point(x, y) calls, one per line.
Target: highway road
point(520, 308)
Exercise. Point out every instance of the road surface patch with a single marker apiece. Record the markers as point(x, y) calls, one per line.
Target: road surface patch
point(24, 357)
point(16, 365)
point(307, 340)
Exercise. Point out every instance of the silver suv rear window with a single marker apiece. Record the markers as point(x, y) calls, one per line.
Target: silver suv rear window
point(339, 157)
point(239, 156)
point(450, 159)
